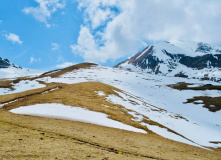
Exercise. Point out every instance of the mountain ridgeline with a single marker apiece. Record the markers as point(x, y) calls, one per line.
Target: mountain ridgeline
point(5, 63)
point(179, 59)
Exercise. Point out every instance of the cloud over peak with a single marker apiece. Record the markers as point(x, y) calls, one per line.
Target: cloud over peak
point(121, 27)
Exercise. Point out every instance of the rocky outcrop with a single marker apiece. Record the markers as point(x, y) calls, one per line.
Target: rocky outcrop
point(5, 63)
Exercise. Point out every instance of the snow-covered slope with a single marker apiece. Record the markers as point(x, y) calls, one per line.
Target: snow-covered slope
point(150, 98)
point(178, 58)
point(60, 111)
point(10, 70)
point(21, 86)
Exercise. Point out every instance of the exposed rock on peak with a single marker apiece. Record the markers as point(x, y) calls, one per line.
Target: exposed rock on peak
point(5, 63)
point(178, 58)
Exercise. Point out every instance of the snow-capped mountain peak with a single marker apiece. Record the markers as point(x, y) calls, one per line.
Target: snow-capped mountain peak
point(178, 58)
point(199, 48)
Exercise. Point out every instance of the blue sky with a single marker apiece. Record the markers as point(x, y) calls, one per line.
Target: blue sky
point(37, 39)
point(43, 34)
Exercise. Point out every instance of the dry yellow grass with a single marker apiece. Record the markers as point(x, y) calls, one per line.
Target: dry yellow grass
point(4, 83)
point(28, 137)
point(41, 138)
point(26, 142)
point(8, 83)
point(94, 141)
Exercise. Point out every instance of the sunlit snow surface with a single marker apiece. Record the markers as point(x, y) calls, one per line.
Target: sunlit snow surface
point(22, 86)
point(59, 111)
point(199, 125)
point(12, 72)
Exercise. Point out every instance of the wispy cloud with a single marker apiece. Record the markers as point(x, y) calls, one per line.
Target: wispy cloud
point(1, 21)
point(32, 59)
point(55, 46)
point(65, 64)
point(13, 38)
point(60, 59)
point(45, 9)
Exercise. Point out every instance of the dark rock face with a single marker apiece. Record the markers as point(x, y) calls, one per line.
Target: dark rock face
point(201, 62)
point(204, 48)
point(198, 62)
point(145, 59)
point(5, 63)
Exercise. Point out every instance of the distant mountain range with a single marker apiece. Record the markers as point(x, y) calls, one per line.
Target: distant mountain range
point(179, 59)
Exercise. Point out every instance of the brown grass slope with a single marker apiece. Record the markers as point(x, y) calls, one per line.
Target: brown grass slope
point(56, 73)
point(9, 83)
point(41, 138)
point(28, 137)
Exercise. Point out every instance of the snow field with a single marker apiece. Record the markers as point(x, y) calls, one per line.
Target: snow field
point(22, 86)
point(59, 111)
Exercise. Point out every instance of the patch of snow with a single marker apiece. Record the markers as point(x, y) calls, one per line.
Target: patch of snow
point(143, 52)
point(165, 133)
point(100, 93)
point(2, 105)
point(195, 85)
point(137, 117)
point(53, 72)
point(59, 111)
point(199, 101)
point(22, 86)
point(53, 89)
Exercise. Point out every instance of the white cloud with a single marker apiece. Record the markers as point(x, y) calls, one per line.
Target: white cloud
point(13, 37)
point(55, 46)
point(32, 59)
point(65, 64)
point(45, 9)
point(60, 59)
point(126, 25)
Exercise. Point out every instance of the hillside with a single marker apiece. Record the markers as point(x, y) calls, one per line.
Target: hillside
point(151, 116)
point(10, 70)
point(179, 59)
